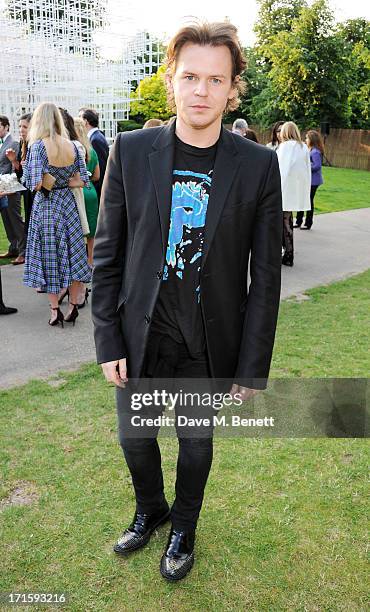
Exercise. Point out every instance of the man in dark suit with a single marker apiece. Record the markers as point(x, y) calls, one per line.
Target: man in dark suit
point(11, 214)
point(98, 142)
point(183, 208)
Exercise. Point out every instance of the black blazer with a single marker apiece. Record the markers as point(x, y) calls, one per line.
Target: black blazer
point(244, 217)
point(99, 143)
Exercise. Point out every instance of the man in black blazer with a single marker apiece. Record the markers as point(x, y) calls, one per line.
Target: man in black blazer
point(183, 208)
point(98, 142)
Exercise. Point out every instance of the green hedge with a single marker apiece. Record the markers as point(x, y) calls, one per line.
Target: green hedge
point(128, 125)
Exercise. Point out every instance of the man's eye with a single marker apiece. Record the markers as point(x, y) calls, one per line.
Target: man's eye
point(190, 77)
point(216, 81)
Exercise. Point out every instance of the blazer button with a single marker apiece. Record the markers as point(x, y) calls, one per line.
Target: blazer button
point(147, 319)
point(159, 275)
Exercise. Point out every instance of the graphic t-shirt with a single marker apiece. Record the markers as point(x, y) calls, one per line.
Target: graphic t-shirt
point(178, 311)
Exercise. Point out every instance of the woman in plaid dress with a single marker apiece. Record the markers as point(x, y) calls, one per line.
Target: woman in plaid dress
point(56, 254)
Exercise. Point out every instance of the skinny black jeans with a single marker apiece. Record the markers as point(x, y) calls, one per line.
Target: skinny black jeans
point(169, 360)
point(309, 213)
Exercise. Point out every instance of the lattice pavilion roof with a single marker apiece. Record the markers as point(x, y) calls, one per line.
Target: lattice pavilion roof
point(48, 52)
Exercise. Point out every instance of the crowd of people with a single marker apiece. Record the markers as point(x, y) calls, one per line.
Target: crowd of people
point(300, 169)
point(61, 161)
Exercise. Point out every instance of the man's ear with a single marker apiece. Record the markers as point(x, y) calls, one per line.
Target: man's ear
point(234, 91)
point(168, 81)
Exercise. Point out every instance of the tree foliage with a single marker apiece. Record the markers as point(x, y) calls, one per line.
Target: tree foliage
point(313, 69)
point(149, 100)
point(356, 34)
point(275, 16)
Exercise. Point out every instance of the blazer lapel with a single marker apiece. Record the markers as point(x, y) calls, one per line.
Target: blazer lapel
point(161, 166)
point(226, 166)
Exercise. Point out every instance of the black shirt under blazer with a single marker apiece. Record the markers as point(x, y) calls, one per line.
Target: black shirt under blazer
point(244, 218)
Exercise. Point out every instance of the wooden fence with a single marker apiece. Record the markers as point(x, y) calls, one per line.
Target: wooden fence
point(343, 148)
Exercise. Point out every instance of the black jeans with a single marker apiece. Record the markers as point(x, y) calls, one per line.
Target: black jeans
point(309, 213)
point(167, 359)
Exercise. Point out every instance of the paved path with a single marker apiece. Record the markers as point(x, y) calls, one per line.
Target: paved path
point(338, 246)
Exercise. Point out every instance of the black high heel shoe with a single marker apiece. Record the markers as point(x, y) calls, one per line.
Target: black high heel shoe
point(72, 316)
point(86, 299)
point(59, 318)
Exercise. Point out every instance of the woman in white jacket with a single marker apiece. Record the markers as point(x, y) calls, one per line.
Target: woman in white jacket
point(295, 171)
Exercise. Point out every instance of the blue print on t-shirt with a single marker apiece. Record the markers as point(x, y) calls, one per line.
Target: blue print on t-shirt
point(190, 194)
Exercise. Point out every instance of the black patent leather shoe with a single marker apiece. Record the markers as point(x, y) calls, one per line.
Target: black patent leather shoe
point(139, 532)
point(178, 558)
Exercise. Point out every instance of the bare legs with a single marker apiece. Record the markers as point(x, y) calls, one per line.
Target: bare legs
point(53, 301)
point(75, 290)
point(90, 247)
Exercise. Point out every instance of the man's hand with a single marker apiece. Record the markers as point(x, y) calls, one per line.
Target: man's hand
point(244, 392)
point(115, 372)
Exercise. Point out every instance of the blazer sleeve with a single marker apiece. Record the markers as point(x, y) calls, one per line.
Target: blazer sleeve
point(315, 160)
point(264, 292)
point(109, 249)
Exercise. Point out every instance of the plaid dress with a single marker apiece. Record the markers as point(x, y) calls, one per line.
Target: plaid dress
point(56, 252)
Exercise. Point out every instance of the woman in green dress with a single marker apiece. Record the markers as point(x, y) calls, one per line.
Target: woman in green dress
point(90, 195)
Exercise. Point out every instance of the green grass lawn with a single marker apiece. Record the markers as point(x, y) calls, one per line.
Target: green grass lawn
point(327, 335)
point(283, 525)
point(343, 189)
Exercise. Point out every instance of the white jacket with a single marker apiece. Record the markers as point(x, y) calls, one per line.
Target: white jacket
point(295, 172)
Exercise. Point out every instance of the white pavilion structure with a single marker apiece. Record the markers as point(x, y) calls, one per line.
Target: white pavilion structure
point(48, 52)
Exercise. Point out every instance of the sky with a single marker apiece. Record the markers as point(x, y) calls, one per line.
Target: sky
point(164, 17)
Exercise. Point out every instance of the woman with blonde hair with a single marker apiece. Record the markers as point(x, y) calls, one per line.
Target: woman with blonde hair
point(56, 256)
point(90, 194)
point(295, 172)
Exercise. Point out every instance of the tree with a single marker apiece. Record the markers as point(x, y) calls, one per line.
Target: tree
point(310, 75)
point(261, 102)
point(356, 34)
point(149, 100)
point(275, 16)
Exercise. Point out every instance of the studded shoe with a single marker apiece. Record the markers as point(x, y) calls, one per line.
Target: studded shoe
point(139, 532)
point(178, 558)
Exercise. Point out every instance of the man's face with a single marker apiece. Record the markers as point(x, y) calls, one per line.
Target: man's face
point(202, 84)
point(3, 130)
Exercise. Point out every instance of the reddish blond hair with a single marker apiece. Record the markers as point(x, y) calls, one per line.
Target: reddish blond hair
point(215, 34)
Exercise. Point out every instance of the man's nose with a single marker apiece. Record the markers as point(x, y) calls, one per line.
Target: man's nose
point(201, 88)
